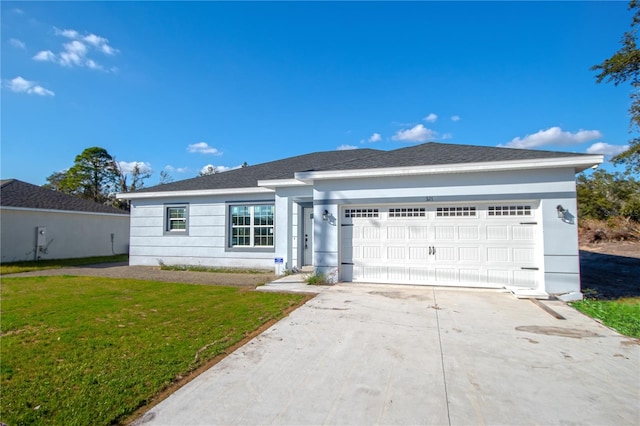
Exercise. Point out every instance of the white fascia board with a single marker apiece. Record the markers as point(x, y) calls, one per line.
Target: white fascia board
point(578, 163)
point(192, 193)
point(279, 183)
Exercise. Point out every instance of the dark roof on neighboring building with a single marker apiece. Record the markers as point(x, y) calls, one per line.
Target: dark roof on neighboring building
point(16, 193)
point(427, 154)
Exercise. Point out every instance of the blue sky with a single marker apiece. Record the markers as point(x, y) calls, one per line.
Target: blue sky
point(181, 85)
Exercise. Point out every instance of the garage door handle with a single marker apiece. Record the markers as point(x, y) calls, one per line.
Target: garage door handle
point(529, 269)
point(432, 250)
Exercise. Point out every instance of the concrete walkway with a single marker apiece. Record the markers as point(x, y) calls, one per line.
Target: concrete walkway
point(379, 354)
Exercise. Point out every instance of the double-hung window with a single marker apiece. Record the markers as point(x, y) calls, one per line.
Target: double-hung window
point(251, 225)
point(176, 219)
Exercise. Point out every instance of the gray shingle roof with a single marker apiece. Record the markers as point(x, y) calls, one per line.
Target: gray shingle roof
point(16, 193)
point(431, 153)
point(280, 169)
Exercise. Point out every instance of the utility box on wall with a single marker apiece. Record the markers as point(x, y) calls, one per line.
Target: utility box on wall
point(41, 236)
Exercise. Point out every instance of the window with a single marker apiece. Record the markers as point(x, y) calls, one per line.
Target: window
point(455, 212)
point(176, 219)
point(251, 225)
point(361, 213)
point(509, 211)
point(408, 212)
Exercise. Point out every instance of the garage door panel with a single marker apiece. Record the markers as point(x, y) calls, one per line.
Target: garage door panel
point(470, 276)
point(398, 273)
point(445, 233)
point(446, 254)
point(418, 232)
point(469, 254)
point(419, 274)
point(469, 233)
point(524, 278)
point(498, 276)
point(396, 232)
point(524, 255)
point(419, 253)
point(497, 233)
point(524, 233)
point(395, 253)
point(444, 275)
point(371, 252)
point(498, 254)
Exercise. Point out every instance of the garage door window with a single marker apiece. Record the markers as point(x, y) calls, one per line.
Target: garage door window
point(361, 213)
point(408, 212)
point(459, 211)
point(523, 210)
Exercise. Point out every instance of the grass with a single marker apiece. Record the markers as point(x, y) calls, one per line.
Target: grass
point(39, 265)
point(88, 350)
point(623, 315)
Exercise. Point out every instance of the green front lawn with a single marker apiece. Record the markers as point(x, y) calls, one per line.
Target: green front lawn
point(39, 265)
point(87, 350)
point(623, 315)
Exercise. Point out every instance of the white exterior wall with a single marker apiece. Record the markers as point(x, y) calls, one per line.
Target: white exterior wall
point(288, 224)
point(206, 242)
point(67, 234)
point(559, 263)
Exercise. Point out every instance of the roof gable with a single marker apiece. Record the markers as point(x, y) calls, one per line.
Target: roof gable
point(16, 193)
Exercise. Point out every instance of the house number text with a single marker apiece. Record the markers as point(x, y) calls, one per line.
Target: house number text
point(428, 198)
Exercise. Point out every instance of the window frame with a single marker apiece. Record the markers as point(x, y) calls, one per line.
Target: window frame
point(167, 219)
point(252, 225)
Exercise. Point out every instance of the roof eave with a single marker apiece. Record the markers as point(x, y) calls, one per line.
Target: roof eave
point(280, 183)
point(578, 163)
point(191, 193)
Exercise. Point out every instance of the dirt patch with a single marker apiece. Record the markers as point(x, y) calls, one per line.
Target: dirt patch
point(154, 273)
point(610, 270)
point(574, 333)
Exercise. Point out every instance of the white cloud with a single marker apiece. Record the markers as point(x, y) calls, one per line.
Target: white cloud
point(345, 147)
point(455, 118)
point(127, 167)
point(202, 148)
point(20, 85)
point(76, 53)
point(553, 136)
point(431, 118)
point(17, 43)
point(418, 133)
point(45, 55)
point(446, 136)
point(170, 168)
point(606, 149)
point(376, 137)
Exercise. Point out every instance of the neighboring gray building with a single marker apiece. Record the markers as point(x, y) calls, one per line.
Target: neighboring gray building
point(434, 214)
point(39, 223)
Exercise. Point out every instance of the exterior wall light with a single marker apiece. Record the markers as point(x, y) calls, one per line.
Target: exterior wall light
point(561, 211)
point(325, 215)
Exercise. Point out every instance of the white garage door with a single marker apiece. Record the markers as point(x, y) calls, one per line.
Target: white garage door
point(477, 245)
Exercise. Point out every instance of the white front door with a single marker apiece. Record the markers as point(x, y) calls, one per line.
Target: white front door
point(472, 245)
point(307, 237)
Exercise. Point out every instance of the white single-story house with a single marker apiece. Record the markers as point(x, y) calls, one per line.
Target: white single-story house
point(39, 223)
point(432, 214)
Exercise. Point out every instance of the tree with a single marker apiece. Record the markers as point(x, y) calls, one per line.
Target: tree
point(56, 181)
point(624, 66)
point(138, 174)
point(604, 195)
point(165, 177)
point(208, 170)
point(93, 176)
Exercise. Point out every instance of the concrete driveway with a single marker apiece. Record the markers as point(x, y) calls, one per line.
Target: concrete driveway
point(403, 355)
